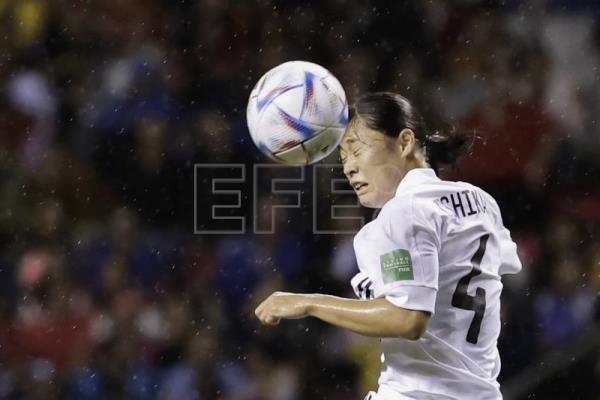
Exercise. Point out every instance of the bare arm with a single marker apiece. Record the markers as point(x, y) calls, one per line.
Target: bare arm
point(377, 317)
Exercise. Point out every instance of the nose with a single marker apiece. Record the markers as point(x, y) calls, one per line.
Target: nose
point(350, 167)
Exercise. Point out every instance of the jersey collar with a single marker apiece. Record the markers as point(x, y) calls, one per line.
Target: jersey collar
point(414, 177)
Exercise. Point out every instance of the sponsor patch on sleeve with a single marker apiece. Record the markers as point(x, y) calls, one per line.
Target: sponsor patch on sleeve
point(396, 266)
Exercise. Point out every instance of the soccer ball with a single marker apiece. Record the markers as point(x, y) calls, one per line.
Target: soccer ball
point(297, 113)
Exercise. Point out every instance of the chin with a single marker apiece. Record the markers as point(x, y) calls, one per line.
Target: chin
point(374, 199)
point(367, 201)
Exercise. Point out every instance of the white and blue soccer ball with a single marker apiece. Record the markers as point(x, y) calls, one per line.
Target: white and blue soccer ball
point(297, 113)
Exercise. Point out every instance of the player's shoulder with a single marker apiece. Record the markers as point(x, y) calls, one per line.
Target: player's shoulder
point(409, 209)
point(420, 199)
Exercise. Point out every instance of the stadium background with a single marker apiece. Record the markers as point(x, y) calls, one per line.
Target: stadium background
point(106, 105)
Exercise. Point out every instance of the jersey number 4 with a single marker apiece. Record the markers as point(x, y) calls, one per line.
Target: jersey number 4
point(462, 300)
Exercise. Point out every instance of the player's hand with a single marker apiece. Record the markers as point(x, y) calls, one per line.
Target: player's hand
point(282, 305)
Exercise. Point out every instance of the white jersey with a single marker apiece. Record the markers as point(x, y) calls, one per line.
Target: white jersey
point(441, 247)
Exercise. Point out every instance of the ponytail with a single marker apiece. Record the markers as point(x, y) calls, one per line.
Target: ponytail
point(446, 147)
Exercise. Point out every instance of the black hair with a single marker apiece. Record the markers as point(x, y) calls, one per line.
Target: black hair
point(390, 113)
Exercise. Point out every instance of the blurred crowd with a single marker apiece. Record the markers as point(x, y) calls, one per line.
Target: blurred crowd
point(105, 106)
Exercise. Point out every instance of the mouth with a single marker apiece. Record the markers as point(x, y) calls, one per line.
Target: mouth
point(360, 187)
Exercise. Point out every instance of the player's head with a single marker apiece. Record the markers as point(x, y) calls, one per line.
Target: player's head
point(385, 138)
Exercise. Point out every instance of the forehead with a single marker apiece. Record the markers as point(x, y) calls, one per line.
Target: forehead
point(357, 134)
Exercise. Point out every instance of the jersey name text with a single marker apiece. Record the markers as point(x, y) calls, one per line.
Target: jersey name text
point(464, 203)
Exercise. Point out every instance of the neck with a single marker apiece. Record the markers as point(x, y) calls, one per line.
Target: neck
point(410, 165)
point(417, 162)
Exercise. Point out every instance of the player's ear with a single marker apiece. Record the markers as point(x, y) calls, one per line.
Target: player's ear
point(406, 141)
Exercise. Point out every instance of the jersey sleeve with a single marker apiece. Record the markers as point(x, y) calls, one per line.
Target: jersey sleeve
point(407, 263)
